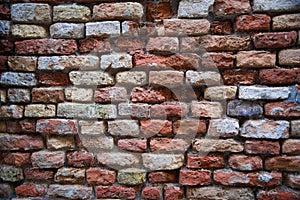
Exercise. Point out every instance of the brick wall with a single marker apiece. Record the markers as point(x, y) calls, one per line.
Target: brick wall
point(150, 100)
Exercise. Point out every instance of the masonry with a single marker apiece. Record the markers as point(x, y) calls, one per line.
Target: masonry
point(150, 99)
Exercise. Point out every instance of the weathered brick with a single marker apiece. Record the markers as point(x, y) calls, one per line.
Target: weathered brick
point(279, 76)
point(6, 28)
point(188, 9)
point(98, 45)
point(196, 78)
point(205, 161)
point(286, 22)
point(12, 111)
point(131, 176)
point(151, 128)
point(75, 94)
point(18, 79)
point(69, 175)
point(31, 13)
point(16, 159)
point(6, 47)
point(169, 145)
point(131, 78)
point(278, 193)
point(155, 162)
point(162, 177)
point(92, 127)
point(24, 31)
point(263, 92)
point(118, 160)
point(134, 110)
point(149, 95)
point(46, 159)
point(116, 61)
point(54, 79)
point(231, 7)
point(293, 181)
point(6, 190)
point(91, 78)
point(22, 126)
point(136, 145)
point(227, 127)
point(100, 176)
point(60, 142)
point(217, 60)
point(289, 57)
point(152, 193)
point(206, 109)
point(261, 147)
point(281, 109)
point(189, 127)
point(20, 142)
point(173, 192)
point(161, 10)
point(15, 95)
point(291, 146)
point(22, 63)
point(11, 173)
point(47, 95)
point(103, 29)
point(255, 22)
point(96, 143)
point(238, 108)
point(40, 110)
point(283, 163)
point(136, 29)
point(220, 93)
point(3, 61)
point(71, 13)
point(69, 191)
point(32, 174)
point(111, 94)
point(57, 126)
point(31, 190)
point(3, 96)
point(221, 27)
point(128, 44)
point(166, 78)
point(245, 163)
point(255, 59)
point(169, 110)
point(123, 128)
point(295, 128)
point(80, 159)
point(193, 177)
point(163, 44)
point(235, 77)
point(67, 30)
point(275, 6)
point(274, 40)
point(4, 11)
point(217, 145)
point(115, 191)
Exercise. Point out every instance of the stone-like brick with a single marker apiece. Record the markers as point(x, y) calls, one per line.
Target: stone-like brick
point(196, 78)
point(31, 190)
point(46, 46)
point(152, 193)
point(245, 163)
point(291, 146)
point(91, 78)
point(189, 9)
point(221, 27)
point(60, 142)
point(162, 177)
point(289, 57)
point(71, 13)
point(163, 45)
point(115, 191)
point(110, 94)
point(123, 128)
point(262, 147)
point(295, 128)
point(100, 176)
point(118, 160)
point(98, 45)
point(21, 126)
point(24, 31)
point(40, 110)
point(279, 76)
point(46, 159)
point(15, 95)
point(11, 173)
point(96, 143)
point(265, 128)
point(54, 79)
point(32, 174)
point(293, 181)
point(231, 7)
point(255, 59)
point(278, 193)
point(57, 126)
point(255, 22)
point(151, 128)
point(235, 77)
point(155, 162)
point(161, 10)
point(220, 93)
point(103, 29)
point(173, 192)
point(193, 177)
point(116, 61)
point(22, 63)
point(238, 108)
point(47, 95)
point(134, 110)
point(92, 127)
point(286, 22)
point(31, 13)
point(227, 127)
point(79, 94)
point(16, 159)
point(169, 110)
point(217, 60)
point(205, 161)
point(67, 30)
point(131, 176)
point(20, 142)
point(262, 92)
point(189, 127)
point(281, 109)
point(274, 40)
point(136, 145)
point(149, 95)
point(206, 109)
point(275, 6)
point(283, 163)
point(18, 79)
point(80, 159)
point(136, 29)
point(118, 11)
point(69, 175)
point(161, 145)
point(131, 78)
point(217, 145)
point(69, 191)
point(12, 111)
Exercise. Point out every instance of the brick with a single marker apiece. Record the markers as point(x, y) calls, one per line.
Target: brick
point(69, 191)
point(221, 27)
point(279, 76)
point(168, 110)
point(281, 109)
point(103, 29)
point(255, 22)
point(245, 163)
point(5, 28)
point(131, 78)
point(283, 163)
point(32, 174)
point(47, 95)
point(79, 94)
point(154, 162)
point(116, 61)
point(189, 127)
point(136, 145)
point(161, 10)
point(123, 128)
point(46, 46)
point(127, 44)
point(169, 145)
point(6, 47)
point(3, 96)
point(23, 31)
point(100, 176)
point(231, 7)
point(151, 128)
point(134, 110)
point(189, 9)
point(196, 78)
point(54, 79)
point(40, 110)
point(4, 11)
point(71, 13)
point(214, 60)
point(115, 191)
point(217, 145)
point(255, 59)
point(149, 95)
point(291, 146)
point(94, 45)
point(274, 40)
point(46, 159)
point(6, 190)
point(205, 161)
point(15, 95)
point(67, 30)
point(238, 108)
point(131, 176)
point(262, 147)
point(235, 77)
point(220, 93)
point(118, 11)
point(278, 193)
point(3, 61)
point(110, 94)
point(12, 111)
point(289, 57)
point(80, 159)
point(162, 177)
point(193, 177)
point(21, 126)
point(173, 192)
point(57, 126)
point(118, 160)
point(22, 63)
point(96, 143)
point(37, 13)
point(92, 127)
point(275, 6)
point(265, 128)
point(16, 159)
point(60, 142)
point(136, 29)
point(259, 179)
point(11, 173)
point(295, 128)
point(293, 181)
point(206, 109)
point(20, 142)
point(31, 190)
point(18, 79)
point(91, 78)
point(227, 127)
point(70, 175)
point(286, 22)
point(163, 45)
point(152, 193)
point(263, 92)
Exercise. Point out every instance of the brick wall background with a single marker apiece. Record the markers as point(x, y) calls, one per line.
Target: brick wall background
point(150, 100)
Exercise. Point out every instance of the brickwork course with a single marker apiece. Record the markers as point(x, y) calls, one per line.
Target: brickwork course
point(154, 100)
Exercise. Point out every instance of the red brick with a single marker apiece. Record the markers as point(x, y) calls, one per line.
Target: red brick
point(189, 127)
point(127, 44)
point(293, 181)
point(151, 193)
point(281, 109)
point(173, 193)
point(278, 194)
point(138, 29)
point(110, 94)
point(3, 61)
point(160, 10)
point(20, 142)
point(54, 79)
point(31, 190)
point(169, 110)
point(57, 126)
point(205, 161)
point(231, 7)
point(47, 95)
point(4, 11)
point(136, 145)
point(100, 176)
point(46, 46)
point(246, 163)
point(154, 127)
point(163, 45)
point(274, 40)
point(235, 77)
point(16, 159)
point(262, 147)
point(283, 163)
point(218, 60)
point(22, 126)
point(169, 145)
point(133, 110)
point(94, 45)
point(149, 95)
point(48, 159)
point(162, 177)
point(80, 159)
point(221, 27)
point(255, 22)
point(279, 76)
point(38, 174)
point(115, 192)
point(291, 146)
point(6, 47)
point(192, 177)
